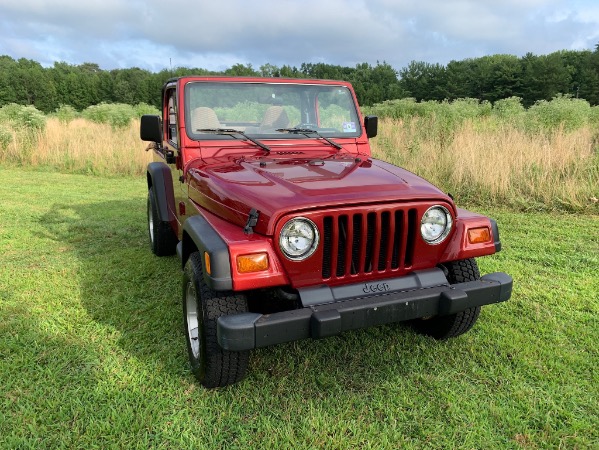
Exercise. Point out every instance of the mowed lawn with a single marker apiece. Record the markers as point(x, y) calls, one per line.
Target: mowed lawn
point(92, 353)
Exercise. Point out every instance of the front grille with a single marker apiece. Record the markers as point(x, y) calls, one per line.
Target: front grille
point(365, 242)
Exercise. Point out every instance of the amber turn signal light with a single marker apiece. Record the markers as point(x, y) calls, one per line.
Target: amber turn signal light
point(207, 263)
point(254, 262)
point(479, 235)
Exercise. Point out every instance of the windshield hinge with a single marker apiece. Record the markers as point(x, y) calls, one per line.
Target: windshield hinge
point(252, 221)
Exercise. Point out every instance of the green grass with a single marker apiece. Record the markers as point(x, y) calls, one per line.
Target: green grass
point(92, 352)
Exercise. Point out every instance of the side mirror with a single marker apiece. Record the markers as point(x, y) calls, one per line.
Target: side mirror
point(371, 123)
point(150, 128)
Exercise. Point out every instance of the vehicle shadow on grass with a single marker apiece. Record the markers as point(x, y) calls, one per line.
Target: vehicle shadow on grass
point(124, 286)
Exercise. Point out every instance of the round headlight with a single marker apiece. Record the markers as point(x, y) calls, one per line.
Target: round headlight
point(435, 224)
point(299, 238)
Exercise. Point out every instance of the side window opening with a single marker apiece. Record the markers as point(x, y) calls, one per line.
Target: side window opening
point(172, 118)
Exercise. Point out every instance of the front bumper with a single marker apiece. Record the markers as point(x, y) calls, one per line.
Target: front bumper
point(329, 311)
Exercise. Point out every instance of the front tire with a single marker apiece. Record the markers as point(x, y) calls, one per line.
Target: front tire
point(163, 240)
point(452, 325)
point(211, 365)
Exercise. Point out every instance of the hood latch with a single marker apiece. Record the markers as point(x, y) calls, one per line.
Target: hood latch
point(252, 221)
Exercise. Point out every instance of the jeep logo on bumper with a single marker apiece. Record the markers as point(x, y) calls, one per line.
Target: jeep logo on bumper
point(373, 288)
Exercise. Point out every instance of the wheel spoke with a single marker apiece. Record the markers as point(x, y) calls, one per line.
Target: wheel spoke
point(193, 324)
point(150, 222)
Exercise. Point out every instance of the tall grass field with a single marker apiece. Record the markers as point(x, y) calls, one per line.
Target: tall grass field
point(543, 158)
point(92, 349)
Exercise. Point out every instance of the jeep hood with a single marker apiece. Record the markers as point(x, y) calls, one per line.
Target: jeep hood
point(275, 187)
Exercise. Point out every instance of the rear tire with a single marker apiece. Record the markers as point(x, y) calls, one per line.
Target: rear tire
point(452, 325)
point(211, 365)
point(163, 240)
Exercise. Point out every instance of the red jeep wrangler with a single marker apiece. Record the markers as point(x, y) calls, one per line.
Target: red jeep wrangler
point(287, 228)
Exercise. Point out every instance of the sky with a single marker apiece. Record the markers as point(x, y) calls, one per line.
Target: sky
point(216, 35)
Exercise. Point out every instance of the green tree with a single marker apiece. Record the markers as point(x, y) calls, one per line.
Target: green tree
point(506, 73)
point(290, 72)
point(32, 85)
point(240, 70)
point(424, 81)
point(77, 86)
point(460, 77)
point(7, 91)
point(375, 84)
point(268, 70)
point(584, 69)
point(543, 77)
point(130, 86)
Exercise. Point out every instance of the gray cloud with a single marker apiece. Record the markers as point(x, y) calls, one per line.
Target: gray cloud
point(216, 35)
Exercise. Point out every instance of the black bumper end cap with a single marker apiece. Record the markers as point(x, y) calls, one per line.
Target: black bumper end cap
point(491, 288)
point(504, 281)
point(325, 323)
point(236, 332)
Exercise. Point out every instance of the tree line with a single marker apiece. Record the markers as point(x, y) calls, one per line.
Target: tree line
point(491, 78)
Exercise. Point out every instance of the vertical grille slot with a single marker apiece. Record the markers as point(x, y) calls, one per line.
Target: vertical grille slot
point(385, 225)
point(356, 247)
point(398, 244)
point(370, 233)
point(411, 236)
point(342, 223)
point(364, 242)
point(326, 246)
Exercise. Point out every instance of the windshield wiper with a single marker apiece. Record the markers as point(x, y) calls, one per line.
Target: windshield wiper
point(231, 131)
point(306, 131)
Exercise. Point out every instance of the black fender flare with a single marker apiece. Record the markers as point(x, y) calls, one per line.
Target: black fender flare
point(495, 231)
point(199, 234)
point(160, 181)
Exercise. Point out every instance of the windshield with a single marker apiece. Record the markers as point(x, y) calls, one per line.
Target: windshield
point(269, 110)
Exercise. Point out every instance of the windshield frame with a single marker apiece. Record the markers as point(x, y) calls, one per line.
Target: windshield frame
point(311, 91)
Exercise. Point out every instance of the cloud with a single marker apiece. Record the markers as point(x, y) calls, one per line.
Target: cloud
point(215, 35)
